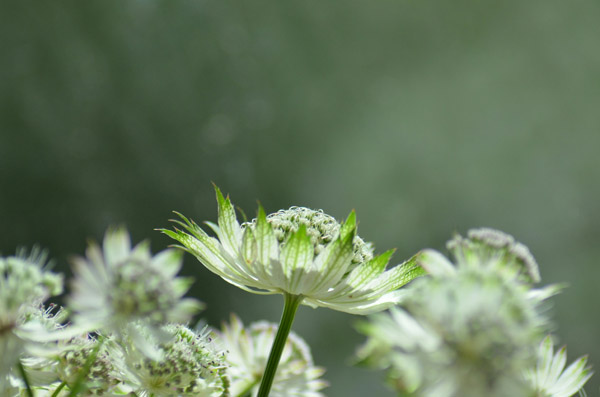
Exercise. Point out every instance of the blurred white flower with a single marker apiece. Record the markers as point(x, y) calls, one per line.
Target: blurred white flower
point(25, 284)
point(117, 284)
point(300, 252)
point(550, 379)
point(496, 250)
point(467, 331)
point(247, 354)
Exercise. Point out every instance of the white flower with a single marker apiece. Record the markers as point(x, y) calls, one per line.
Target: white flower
point(300, 252)
point(117, 284)
point(24, 285)
point(495, 249)
point(177, 363)
point(467, 331)
point(102, 376)
point(247, 353)
point(550, 379)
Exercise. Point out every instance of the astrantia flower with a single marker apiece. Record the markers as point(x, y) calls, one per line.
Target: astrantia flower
point(185, 363)
point(550, 379)
point(300, 252)
point(62, 359)
point(247, 353)
point(24, 285)
point(495, 249)
point(101, 377)
point(466, 331)
point(118, 283)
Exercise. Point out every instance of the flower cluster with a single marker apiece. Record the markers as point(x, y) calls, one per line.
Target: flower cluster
point(125, 335)
point(474, 325)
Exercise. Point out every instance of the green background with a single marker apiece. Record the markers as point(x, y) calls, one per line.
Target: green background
point(427, 117)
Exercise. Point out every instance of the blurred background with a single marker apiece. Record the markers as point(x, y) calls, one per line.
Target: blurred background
point(427, 117)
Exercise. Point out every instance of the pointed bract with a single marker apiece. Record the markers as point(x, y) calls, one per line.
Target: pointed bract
point(298, 251)
point(548, 378)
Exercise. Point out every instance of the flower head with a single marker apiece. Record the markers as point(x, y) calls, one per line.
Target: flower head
point(496, 249)
point(300, 252)
point(550, 379)
point(179, 363)
point(117, 284)
point(25, 284)
point(465, 331)
point(247, 353)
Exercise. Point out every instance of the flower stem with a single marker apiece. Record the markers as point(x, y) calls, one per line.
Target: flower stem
point(83, 372)
point(289, 312)
point(59, 388)
point(25, 379)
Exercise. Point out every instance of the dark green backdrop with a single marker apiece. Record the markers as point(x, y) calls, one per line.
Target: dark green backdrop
point(427, 117)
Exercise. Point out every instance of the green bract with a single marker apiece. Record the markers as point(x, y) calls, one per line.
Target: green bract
point(548, 378)
point(300, 252)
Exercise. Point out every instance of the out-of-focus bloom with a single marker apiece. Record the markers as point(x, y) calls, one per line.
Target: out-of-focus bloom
point(9, 385)
point(300, 252)
point(496, 250)
point(247, 354)
point(55, 359)
point(466, 331)
point(550, 379)
point(183, 363)
point(25, 284)
point(117, 284)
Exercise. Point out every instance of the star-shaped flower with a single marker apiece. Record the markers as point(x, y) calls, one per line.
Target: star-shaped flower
point(117, 283)
point(300, 252)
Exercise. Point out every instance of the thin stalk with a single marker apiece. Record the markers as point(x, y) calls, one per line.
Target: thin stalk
point(25, 379)
point(287, 318)
point(83, 373)
point(59, 388)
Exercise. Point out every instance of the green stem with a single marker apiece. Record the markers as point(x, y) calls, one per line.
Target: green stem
point(59, 388)
point(25, 379)
point(83, 373)
point(289, 312)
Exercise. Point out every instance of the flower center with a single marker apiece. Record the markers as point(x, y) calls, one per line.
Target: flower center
point(320, 227)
